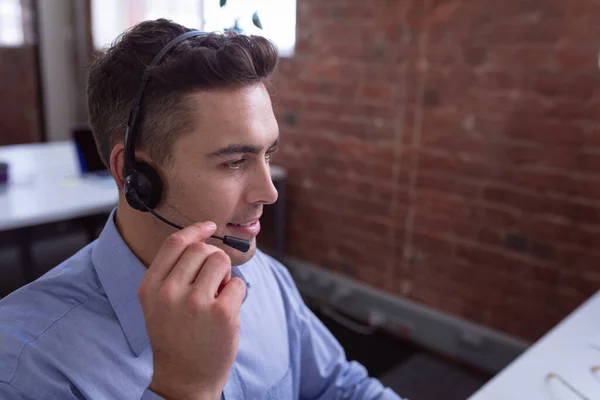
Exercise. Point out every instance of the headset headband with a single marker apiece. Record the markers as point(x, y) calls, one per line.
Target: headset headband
point(131, 133)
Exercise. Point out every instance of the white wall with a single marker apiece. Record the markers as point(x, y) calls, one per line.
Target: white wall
point(59, 77)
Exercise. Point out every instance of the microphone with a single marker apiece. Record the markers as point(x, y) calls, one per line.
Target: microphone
point(231, 241)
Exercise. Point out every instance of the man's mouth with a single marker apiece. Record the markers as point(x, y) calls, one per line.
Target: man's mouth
point(246, 224)
point(246, 228)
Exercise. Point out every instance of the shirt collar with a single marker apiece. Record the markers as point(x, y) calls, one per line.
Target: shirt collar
point(120, 273)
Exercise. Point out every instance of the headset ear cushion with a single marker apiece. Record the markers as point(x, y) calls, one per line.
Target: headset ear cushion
point(149, 185)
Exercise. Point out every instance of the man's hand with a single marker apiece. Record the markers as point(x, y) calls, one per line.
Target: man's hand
point(191, 306)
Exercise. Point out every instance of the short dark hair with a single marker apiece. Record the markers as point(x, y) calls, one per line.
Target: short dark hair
point(208, 61)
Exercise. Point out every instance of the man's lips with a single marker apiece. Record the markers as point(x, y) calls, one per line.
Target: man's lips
point(246, 221)
point(250, 229)
point(243, 224)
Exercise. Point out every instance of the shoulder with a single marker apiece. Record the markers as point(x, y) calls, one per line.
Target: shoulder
point(43, 308)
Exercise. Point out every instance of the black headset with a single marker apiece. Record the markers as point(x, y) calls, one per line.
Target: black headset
point(143, 186)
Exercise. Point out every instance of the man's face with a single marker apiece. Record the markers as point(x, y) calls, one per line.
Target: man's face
point(220, 172)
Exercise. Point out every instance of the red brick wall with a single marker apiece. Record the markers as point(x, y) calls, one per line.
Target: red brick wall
point(19, 86)
point(448, 151)
point(19, 91)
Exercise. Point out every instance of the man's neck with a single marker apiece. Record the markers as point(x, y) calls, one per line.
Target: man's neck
point(139, 232)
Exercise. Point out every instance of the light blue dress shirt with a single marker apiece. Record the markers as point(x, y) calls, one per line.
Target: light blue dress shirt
point(78, 332)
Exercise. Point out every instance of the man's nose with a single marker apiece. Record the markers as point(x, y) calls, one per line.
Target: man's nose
point(262, 190)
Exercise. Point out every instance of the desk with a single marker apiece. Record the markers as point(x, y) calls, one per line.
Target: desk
point(569, 349)
point(46, 187)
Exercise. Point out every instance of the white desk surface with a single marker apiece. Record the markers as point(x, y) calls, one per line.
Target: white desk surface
point(570, 349)
point(45, 186)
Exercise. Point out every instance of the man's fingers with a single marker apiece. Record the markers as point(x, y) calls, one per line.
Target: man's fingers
point(216, 271)
point(191, 262)
point(233, 294)
point(174, 246)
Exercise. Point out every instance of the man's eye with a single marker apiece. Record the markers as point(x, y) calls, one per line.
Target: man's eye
point(235, 164)
point(270, 154)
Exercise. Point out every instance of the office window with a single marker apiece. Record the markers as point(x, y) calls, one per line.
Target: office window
point(11, 23)
point(111, 17)
point(278, 17)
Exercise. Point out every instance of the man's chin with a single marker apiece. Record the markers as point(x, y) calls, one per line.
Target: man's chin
point(238, 257)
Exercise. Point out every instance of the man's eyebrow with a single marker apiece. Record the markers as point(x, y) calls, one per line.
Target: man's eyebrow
point(240, 148)
point(275, 143)
point(234, 149)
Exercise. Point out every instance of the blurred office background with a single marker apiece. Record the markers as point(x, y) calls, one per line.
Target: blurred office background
point(440, 161)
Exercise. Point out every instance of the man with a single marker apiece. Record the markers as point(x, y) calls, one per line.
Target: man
point(148, 311)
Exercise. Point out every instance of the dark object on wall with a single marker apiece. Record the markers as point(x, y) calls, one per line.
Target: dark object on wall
point(87, 153)
point(3, 173)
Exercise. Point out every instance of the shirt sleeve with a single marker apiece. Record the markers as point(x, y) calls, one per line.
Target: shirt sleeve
point(9, 392)
point(325, 373)
point(150, 395)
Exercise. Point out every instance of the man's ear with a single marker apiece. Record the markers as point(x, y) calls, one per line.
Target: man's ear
point(117, 162)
